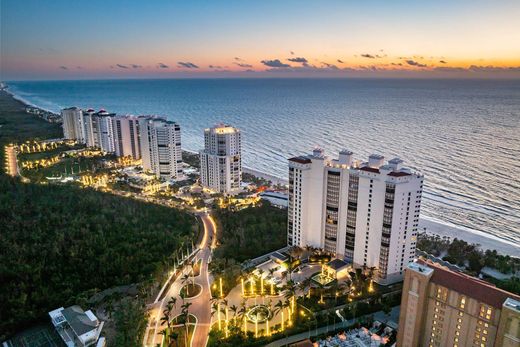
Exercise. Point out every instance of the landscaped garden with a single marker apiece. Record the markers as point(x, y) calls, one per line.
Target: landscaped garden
point(273, 299)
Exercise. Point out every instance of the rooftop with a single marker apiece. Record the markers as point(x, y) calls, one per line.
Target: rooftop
point(301, 160)
point(78, 320)
point(471, 286)
point(337, 264)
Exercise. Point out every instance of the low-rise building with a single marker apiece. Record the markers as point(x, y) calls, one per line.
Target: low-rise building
point(76, 327)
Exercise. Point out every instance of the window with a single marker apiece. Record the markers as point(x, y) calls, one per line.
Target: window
point(462, 302)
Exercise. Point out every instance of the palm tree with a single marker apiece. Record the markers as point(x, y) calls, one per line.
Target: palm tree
point(279, 307)
point(185, 319)
point(306, 283)
point(186, 279)
point(172, 301)
point(234, 309)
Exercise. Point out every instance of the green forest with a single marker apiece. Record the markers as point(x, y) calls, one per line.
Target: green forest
point(60, 244)
point(251, 232)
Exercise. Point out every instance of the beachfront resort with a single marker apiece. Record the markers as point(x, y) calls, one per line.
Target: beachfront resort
point(347, 272)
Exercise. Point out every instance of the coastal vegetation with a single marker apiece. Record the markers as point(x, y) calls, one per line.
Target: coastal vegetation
point(473, 259)
point(244, 235)
point(62, 244)
point(251, 232)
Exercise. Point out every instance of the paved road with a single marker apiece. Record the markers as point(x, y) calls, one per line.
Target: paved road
point(200, 308)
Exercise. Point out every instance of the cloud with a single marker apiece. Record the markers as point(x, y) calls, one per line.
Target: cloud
point(64, 67)
point(397, 64)
point(442, 62)
point(122, 66)
point(135, 66)
point(238, 59)
point(340, 61)
point(215, 66)
point(373, 56)
point(79, 67)
point(275, 63)
point(329, 66)
point(244, 65)
point(162, 66)
point(415, 63)
point(187, 65)
point(292, 53)
point(298, 60)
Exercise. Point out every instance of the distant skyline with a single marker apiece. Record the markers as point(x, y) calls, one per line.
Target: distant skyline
point(166, 39)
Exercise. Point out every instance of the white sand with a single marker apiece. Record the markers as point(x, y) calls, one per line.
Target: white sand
point(485, 241)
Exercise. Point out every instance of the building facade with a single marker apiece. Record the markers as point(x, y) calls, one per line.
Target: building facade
point(161, 147)
point(99, 130)
point(440, 307)
point(73, 124)
point(366, 213)
point(220, 160)
point(127, 141)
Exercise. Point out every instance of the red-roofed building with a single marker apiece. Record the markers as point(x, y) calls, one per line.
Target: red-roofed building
point(441, 307)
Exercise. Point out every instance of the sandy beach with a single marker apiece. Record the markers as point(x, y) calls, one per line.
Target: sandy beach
point(471, 236)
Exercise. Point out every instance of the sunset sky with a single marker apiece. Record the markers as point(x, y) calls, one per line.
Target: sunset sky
point(65, 39)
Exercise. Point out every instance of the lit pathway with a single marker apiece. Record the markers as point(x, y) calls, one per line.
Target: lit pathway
point(200, 308)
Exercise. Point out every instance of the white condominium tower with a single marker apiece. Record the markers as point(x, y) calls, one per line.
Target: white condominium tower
point(73, 124)
point(99, 130)
point(220, 160)
point(161, 147)
point(366, 213)
point(126, 136)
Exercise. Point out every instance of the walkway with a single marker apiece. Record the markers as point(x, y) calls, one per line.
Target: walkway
point(200, 307)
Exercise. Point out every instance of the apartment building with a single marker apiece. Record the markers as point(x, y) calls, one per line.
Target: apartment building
point(99, 130)
point(364, 212)
point(161, 147)
point(441, 307)
point(220, 160)
point(73, 124)
point(126, 136)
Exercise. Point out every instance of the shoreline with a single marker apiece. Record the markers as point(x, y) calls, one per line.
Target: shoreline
point(441, 228)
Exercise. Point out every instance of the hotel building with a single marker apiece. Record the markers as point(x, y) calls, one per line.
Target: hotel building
point(440, 307)
point(366, 213)
point(73, 124)
point(220, 160)
point(126, 136)
point(161, 147)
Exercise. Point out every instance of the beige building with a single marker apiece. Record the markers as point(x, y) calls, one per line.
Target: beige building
point(441, 307)
point(220, 160)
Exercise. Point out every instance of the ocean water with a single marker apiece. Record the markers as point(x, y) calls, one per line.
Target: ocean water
point(464, 135)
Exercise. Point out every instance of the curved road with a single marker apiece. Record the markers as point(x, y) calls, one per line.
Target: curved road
point(200, 307)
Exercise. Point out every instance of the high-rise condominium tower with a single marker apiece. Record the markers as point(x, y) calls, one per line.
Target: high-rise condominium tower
point(161, 147)
point(99, 130)
point(440, 307)
point(126, 136)
point(366, 213)
point(73, 124)
point(220, 160)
